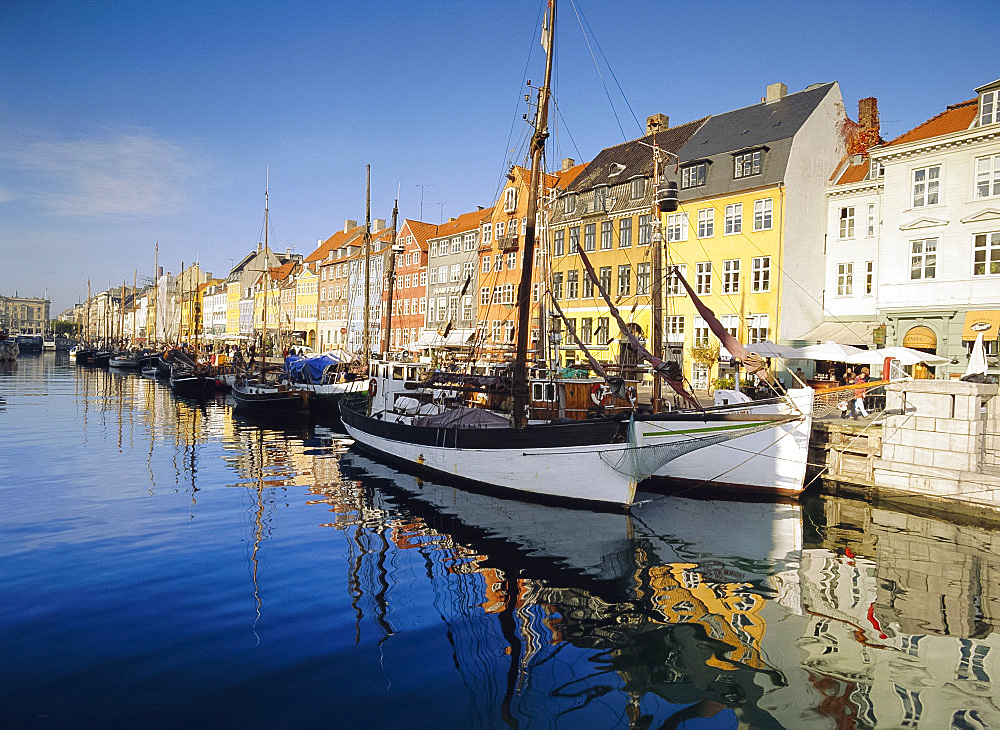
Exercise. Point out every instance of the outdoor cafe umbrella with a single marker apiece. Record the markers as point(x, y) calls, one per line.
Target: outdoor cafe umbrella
point(977, 361)
point(827, 351)
point(907, 356)
point(769, 349)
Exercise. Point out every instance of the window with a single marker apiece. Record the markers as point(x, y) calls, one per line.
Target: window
point(699, 377)
point(645, 230)
point(847, 222)
point(559, 244)
point(703, 277)
point(731, 276)
point(486, 264)
point(590, 237)
point(706, 223)
point(694, 176)
point(923, 258)
point(757, 326)
point(470, 242)
point(487, 232)
point(700, 332)
point(760, 274)
point(869, 276)
point(574, 239)
point(926, 186)
point(734, 219)
point(747, 163)
point(762, 211)
point(600, 198)
point(573, 284)
point(442, 274)
point(988, 111)
point(586, 330)
point(512, 260)
point(605, 276)
point(875, 170)
point(433, 275)
point(642, 278)
point(466, 307)
point(509, 201)
point(468, 268)
point(557, 285)
point(845, 279)
point(674, 286)
point(987, 176)
point(484, 296)
point(498, 229)
point(638, 187)
point(676, 227)
point(607, 235)
point(569, 202)
point(603, 327)
point(498, 262)
point(673, 327)
point(871, 220)
point(496, 330)
point(986, 254)
point(624, 280)
point(512, 227)
point(625, 233)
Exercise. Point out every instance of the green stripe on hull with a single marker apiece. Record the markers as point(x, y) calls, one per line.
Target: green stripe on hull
point(707, 429)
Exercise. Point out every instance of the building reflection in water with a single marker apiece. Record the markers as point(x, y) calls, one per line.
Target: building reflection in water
point(684, 608)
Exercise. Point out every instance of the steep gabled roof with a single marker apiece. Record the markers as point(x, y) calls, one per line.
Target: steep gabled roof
point(421, 232)
point(955, 118)
point(335, 241)
point(853, 173)
point(465, 222)
point(630, 159)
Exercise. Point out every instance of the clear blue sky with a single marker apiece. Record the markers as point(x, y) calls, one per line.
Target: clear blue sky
point(126, 123)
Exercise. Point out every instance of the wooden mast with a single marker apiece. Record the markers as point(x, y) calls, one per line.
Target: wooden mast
point(267, 274)
point(519, 415)
point(656, 289)
point(156, 289)
point(367, 247)
point(392, 284)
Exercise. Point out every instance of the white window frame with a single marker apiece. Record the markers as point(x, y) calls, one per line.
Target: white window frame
point(674, 286)
point(870, 230)
point(846, 222)
point(706, 222)
point(734, 220)
point(746, 164)
point(763, 214)
point(987, 172)
point(869, 278)
point(923, 259)
point(510, 200)
point(677, 227)
point(989, 243)
point(928, 186)
point(487, 232)
point(989, 107)
point(731, 276)
point(703, 277)
point(845, 279)
point(760, 274)
point(487, 262)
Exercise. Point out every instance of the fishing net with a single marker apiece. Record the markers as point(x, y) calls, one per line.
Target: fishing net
point(640, 462)
point(838, 400)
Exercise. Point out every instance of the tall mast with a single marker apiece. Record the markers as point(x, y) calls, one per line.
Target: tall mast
point(135, 274)
point(656, 290)
point(88, 336)
point(367, 246)
point(392, 282)
point(156, 288)
point(263, 314)
point(519, 415)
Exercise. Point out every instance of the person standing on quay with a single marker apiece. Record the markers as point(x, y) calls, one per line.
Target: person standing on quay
point(859, 394)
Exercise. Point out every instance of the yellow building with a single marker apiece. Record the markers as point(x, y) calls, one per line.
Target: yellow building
point(306, 297)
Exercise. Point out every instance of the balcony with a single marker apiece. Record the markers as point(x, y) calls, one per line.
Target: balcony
point(508, 243)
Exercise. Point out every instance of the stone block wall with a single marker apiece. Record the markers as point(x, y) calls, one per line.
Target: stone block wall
point(941, 438)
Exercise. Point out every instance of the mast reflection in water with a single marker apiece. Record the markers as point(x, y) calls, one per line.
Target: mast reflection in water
point(167, 563)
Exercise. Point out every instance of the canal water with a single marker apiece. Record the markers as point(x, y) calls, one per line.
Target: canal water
point(164, 563)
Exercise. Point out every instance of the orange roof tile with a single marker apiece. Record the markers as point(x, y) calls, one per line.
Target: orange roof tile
point(465, 222)
point(421, 232)
point(854, 173)
point(335, 241)
point(953, 119)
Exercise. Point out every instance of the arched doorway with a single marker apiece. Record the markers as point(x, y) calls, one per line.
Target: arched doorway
point(924, 339)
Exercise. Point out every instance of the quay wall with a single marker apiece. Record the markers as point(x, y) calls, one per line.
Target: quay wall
point(938, 447)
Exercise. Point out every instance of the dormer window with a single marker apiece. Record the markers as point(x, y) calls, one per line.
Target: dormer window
point(569, 202)
point(747, 163)
point(638, 187)
point(616, 169)
point(876, 170)
point(510, 200)
point(600, 197)
point(694, 176)
point(988, 111)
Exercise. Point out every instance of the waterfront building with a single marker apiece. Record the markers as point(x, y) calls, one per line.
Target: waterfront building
point(189, 297)
point(499, 259)
point(214, 301)
point(239, 305)
point(452, 284)
point(306, 282)
point(748, 232)
point(331, 326)
point(607, 211)
point(854, 213)
point(28, 315)
point(939, 243)
point(409, 293)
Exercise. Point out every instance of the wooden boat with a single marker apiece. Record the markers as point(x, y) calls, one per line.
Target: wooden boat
point(192, 382)
point(264, 398)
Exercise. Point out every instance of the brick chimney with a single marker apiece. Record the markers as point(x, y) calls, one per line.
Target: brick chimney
point(567, 163)
point(775, 92)
point(657, 123)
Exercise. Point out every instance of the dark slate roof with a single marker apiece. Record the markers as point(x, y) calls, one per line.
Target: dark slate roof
point(756, 125)
point(635, 155)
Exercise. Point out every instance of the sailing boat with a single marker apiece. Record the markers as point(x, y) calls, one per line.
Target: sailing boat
point(598, 461)
point(259, 395)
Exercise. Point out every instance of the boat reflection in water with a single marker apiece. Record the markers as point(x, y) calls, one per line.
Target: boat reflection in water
point(659, 614)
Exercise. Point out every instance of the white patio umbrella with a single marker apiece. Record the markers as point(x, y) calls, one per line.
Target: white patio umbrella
point(769, 349)
point(826, 351)
point(977, 361)
point(906, 356)
point(867, 357)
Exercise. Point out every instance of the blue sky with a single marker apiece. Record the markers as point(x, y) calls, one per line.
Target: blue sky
point(127, 123)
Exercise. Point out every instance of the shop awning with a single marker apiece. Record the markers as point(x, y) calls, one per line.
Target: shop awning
point(986, 321)
point(846, 333)
point(459, 338)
